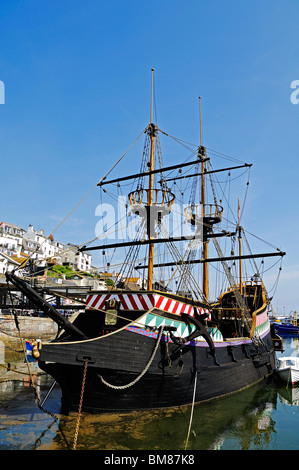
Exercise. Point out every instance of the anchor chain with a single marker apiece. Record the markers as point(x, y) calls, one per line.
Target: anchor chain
point(80, 404)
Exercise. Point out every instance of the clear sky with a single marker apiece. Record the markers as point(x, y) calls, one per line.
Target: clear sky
point(77, 88)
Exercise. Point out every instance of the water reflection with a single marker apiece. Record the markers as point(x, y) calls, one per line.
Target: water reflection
point(252, 419)
point(255, 428)
point(289, 395)
point(167, 430)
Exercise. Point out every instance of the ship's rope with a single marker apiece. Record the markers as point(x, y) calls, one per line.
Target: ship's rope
point(185, 272)
point(132, 255)
point(123, 387)
point(8, 368)
point(37, 399)
point(129, 320)
point(23, 264)
point(192, 409)
point(105, 235)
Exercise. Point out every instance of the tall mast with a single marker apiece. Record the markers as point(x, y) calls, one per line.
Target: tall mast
point(240, 254)
point(150, 193)
point(240, 247)
point(205, 282)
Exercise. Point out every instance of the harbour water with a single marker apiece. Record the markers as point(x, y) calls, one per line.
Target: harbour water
point(263, 417)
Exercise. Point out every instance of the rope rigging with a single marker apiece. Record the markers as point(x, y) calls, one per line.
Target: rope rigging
point(79, 203)
point(174, 184)
point(181, 189)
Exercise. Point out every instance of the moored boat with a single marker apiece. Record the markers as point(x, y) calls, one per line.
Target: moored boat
point(288, 369)
point(286, 328)
point(167, 343)
point(286, 325)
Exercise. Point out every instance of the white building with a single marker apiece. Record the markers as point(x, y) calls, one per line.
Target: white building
point(10, 239)
point(37, 242)
point(78, 260)
point(11, 229)
point(17, 242)
point(7, 264)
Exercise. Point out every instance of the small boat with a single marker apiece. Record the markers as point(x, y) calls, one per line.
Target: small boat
point(289, 395)
point(286, 326)
point(288, 369)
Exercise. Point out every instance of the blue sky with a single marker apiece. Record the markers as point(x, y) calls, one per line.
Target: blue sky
point(77, 94)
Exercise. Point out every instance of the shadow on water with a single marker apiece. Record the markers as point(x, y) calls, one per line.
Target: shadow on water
point(264, 416)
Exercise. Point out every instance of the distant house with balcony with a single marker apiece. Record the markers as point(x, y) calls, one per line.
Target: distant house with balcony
point(18, 242)
point(11, 229)
point(10, 239)
point(78, 260)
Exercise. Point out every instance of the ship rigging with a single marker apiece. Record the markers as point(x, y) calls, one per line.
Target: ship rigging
point(148, 347)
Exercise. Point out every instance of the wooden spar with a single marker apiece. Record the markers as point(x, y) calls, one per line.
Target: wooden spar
point(150, 194)
point(205, 282)
point(213, 260)
point(147, 242)
point(43, 305)
point(158, 170)
point(207, 172)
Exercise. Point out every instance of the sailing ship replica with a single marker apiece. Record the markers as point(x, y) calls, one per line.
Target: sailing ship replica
point(165, 344)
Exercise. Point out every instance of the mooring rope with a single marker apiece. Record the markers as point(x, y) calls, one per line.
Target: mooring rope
point(23, 264)
point(191, 416)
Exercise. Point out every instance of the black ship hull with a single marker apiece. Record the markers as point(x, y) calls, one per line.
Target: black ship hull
point(158, 341)
point(120, 379)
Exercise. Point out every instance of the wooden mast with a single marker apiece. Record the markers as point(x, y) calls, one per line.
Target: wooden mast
point(150, 193)
point(205, 282)
point(240, 248)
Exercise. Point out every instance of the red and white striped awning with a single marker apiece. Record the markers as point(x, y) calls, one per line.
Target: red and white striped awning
point(143, 302)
